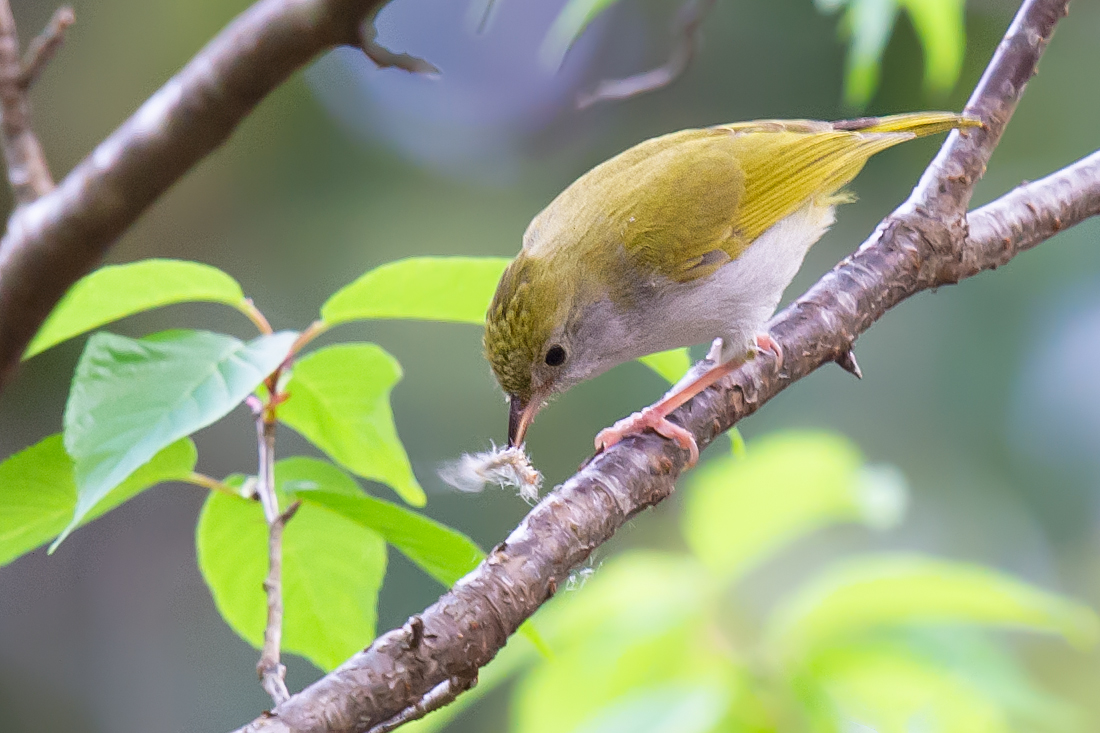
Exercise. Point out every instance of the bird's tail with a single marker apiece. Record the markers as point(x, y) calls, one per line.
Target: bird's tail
point(918, 124)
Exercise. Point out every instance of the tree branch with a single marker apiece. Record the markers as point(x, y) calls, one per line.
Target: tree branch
point(28, 172)
point(686, 32)
point(442, 694)
point(60, 237)
point(44, 46)
point(923, 244)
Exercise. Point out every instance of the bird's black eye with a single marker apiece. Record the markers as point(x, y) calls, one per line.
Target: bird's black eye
point(555, 356)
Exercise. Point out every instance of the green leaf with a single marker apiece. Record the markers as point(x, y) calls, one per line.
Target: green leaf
point(117, 291)
point(131, 398)
point(990, 668)
point(332, 572)
point(443, 553)
point(940, 26)
point(340, 401)
point(452, 289)
point(639, 623)
point(567, 28)
point(672, 708)
point(671, 364)
point(869, 24)
point(889, 692)
point(38, 493)
point(876, 592)
point(740, 510)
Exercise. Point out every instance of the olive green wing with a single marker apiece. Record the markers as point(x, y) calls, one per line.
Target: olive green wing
point(699, 204)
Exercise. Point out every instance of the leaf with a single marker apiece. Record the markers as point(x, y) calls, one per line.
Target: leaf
point(443, 553)
point(971, 655)
point(889, 692)
point(131, 398)
point(332, 572)
point(38, 494)
point(117, 291)
point(452, 289)
point(672, 708)
point(671, 364)
point(617, 641)
point(340, 401)
point(876, 592)
point(567, 28)
point(940, 26)
point(869, 24)
point(740, 510)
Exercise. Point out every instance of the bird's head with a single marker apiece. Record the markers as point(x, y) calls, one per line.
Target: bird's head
point(534, 340)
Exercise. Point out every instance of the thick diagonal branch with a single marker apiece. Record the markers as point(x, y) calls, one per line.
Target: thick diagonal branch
point(923, 244)
point(61, 236)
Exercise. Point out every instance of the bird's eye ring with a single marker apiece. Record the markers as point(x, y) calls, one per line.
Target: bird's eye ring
point(555, 355)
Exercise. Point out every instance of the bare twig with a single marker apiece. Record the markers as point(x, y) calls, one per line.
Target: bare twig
point(58, 238)
point(270, 669)
point(912, 250)
point(386, 59)
point(688, 21)
point(43, 47)
point(28, 172)
point(442, 694)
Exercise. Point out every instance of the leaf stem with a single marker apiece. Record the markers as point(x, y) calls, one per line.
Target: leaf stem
point(209, 482)
point(314, 330)
point(259, 320)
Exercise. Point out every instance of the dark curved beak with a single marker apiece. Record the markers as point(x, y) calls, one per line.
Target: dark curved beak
point(520, 415)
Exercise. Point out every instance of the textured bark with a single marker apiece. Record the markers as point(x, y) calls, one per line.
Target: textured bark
point(928, 242)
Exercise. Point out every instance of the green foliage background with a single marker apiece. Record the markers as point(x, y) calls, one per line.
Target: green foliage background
point(117, 631)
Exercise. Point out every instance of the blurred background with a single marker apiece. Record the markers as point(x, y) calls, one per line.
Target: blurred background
point(985, 395)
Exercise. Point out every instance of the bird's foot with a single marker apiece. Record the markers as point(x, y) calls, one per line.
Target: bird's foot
point(765, 342)
point(652, 419)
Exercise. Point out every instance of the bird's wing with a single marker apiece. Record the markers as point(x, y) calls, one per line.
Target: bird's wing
point(703, 198)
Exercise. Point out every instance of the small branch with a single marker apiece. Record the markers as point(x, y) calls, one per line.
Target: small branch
point(386, 59)
point(271, 671)
point(28, 172)
point(44, 46)
point(442, 694)
point(1030, 215)
point(265, 477)
point(688, 21)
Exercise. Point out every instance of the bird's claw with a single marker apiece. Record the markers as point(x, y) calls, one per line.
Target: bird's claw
point(765, 342)
point(653, 420)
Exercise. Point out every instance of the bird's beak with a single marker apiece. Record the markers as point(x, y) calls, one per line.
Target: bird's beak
point(520, 415)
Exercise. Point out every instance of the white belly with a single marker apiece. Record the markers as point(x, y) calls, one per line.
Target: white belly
point(736, 301)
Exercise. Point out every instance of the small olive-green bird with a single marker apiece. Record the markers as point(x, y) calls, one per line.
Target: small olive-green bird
point(683, 239)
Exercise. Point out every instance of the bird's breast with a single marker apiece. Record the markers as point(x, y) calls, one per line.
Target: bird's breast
point(736, 300)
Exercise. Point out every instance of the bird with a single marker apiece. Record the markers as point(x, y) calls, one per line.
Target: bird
point(683, 239)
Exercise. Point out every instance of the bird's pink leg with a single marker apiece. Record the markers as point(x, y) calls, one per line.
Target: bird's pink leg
point(655, 417)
